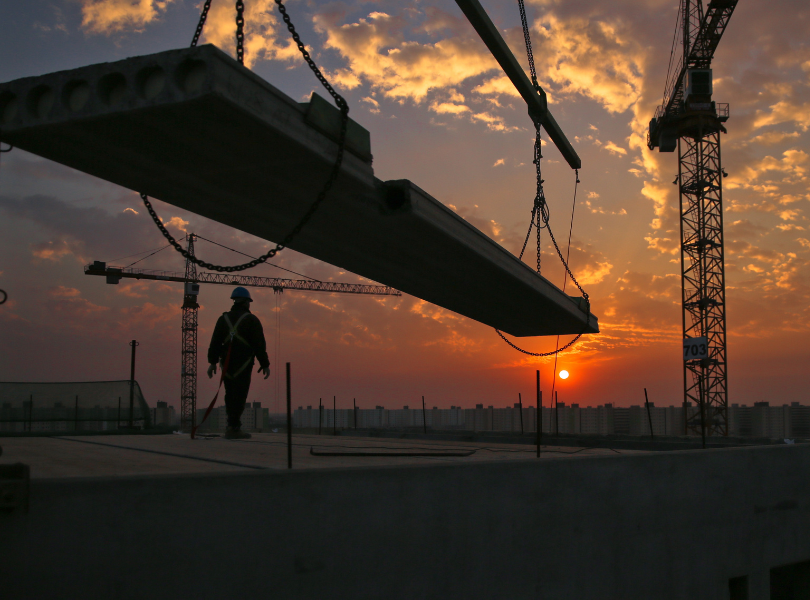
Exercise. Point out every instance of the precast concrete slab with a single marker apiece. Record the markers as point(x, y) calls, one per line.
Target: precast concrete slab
point(195, 129)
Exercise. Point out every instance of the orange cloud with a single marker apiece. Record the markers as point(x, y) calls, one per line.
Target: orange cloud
point(266, 37)
point(598, 59)
point(784, 111)
point(72, 309)
point(377, 52)
point(111, 16)
point(664, 205)
point(55, 251)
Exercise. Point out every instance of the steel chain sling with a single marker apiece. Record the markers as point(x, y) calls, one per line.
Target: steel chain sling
point(540, 212)
point(344, 113)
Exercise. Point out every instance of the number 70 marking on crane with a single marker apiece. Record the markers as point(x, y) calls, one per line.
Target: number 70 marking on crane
point(695, 348)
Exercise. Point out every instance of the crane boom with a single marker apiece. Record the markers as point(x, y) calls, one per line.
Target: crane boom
point(278, 284)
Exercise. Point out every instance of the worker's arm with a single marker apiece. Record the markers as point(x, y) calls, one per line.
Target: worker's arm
point(258, 344)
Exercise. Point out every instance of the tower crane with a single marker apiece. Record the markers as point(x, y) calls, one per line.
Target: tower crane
point(689, 120)
point(191, 281)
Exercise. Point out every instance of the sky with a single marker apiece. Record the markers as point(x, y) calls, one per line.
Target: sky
point(441, 114)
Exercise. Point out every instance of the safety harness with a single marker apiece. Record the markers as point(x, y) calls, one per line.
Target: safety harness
point(232, 334)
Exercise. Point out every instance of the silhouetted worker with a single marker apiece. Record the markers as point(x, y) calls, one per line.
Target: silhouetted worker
point(238, 332)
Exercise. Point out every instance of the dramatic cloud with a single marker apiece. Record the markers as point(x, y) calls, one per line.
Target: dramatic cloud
point(441, 113)
point(265, 36)
point(597, 58)
point(377, 52)
point(111, 16)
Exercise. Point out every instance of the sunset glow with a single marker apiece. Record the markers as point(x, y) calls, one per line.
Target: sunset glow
point(563, 374)
point(441, 113)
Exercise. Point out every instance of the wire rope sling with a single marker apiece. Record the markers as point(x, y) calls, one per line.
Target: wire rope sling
point(540, 215)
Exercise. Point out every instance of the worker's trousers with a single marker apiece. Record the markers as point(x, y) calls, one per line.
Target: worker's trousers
point(236, 392)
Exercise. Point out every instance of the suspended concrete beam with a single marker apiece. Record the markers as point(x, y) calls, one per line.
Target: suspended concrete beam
point(538, 107)
point(195, 129)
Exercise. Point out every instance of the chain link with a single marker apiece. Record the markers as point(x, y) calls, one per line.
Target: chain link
point(344, 122)
point(240, 32)
point(341, 103)
point(527, 38)
point(540, 212)
point(528, 233)
point(201, 24)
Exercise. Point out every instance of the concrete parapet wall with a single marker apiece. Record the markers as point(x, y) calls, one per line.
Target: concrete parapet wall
point(671, 525)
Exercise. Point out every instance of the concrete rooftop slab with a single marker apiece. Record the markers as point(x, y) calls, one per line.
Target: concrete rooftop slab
point(118, 455)
point(195, 129)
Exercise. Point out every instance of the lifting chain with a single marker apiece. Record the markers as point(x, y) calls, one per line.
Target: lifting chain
point(540, 205)
point(344, 122)
point(540, 212)
point(203, 16)
point(527, 38)
point(568, 272)
point(240, 32)
point(341, 103)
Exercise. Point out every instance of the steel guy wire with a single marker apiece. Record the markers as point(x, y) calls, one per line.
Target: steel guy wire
point(147, 256)
point(137, 253)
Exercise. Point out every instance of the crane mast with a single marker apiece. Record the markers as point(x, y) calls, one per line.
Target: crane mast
point(689, 120)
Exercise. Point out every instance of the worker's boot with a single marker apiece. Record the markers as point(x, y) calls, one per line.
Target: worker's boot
point(236, 434)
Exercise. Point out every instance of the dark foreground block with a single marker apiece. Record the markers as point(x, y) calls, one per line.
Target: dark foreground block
point(657, 526)
point(196, 129)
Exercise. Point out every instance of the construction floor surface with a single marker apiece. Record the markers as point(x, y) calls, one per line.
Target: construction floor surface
point(104, 456)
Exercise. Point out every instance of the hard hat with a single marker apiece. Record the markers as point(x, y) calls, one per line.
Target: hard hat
point(240, 292)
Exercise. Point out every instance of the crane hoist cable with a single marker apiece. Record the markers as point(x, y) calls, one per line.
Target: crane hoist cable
point(540, 213)
point(148, 255)
point(114, 260)
point(335, 172)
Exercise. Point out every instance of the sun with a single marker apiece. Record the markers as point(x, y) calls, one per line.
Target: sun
point(563, 374)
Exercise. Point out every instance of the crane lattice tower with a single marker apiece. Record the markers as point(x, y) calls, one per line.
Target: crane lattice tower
point(691, 121)
point(188, 372)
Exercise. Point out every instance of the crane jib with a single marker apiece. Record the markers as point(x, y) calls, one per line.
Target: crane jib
point(279, 284)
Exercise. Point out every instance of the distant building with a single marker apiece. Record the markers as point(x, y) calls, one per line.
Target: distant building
point(164, 415)
point(761, 420)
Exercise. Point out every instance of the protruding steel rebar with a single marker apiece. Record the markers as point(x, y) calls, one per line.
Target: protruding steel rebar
point(649, 414)
point(424, 416)
point(289, 420)
point(520, 407)
point(134, 345)
point(539, 416)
